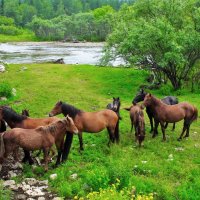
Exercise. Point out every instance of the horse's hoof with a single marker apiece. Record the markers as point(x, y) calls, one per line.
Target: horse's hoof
point(179, 139)
point(154, 135)
point(164, 139)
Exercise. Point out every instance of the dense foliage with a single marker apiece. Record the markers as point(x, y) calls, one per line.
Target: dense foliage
point(60, 19)
point(163, 36)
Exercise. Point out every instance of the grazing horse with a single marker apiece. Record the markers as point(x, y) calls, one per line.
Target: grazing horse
point(169, 100)
point(171, 113)
point(15, 120)
point(115, 106)
point(41, 138)
point(91, 122)
point(137, 120)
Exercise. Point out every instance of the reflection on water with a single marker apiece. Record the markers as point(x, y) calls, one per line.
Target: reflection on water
point(29, 52)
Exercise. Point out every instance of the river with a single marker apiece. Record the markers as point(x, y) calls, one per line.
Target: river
point(38, 52)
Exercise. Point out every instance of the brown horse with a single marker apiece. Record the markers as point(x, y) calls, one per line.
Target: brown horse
point(171, 113)
point(15, 120)
point(137, 120)
point(91, 122)
point(42, 138)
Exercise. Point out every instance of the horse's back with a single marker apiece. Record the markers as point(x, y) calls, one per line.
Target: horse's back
point(32, 123)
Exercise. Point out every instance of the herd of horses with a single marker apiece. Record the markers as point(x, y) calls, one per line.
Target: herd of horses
point(42, 133)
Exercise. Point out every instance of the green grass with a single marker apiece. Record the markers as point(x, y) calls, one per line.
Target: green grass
point(87, 87)
point(26, 36)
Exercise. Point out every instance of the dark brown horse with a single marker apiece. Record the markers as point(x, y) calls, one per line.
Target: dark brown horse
point(115, 106)
point(137, 120)
point(169, 100)
point(91, 122)
point(41, 138)
point(171, 113)
point(15, 120)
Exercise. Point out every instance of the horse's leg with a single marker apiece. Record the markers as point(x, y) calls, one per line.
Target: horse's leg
point(67, 146)
point(166, 125)
point(46, 158)
point(111, 136)
point(187, 131)
point(80, 141)
point(174, 126)
point(183, 131)
point(27, 157)
point(15, 154)
point(163, 130)
point(150, 119)
point(155, 129)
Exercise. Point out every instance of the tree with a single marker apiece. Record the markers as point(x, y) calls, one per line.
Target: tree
point(163, 36)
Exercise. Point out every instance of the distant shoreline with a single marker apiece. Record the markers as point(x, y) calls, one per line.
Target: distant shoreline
point(65, 44)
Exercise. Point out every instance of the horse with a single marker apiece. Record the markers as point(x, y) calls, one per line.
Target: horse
point(169, 100)
point(137, 120)
point(91, 122)
point(15, 120)
point(41, 138)
point(171, 113)
point(115, 106)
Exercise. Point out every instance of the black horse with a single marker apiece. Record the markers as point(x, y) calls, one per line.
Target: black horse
point(115, 106)
point(169, 100)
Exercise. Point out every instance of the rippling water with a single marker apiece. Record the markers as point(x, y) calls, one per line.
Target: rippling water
point(36, 52)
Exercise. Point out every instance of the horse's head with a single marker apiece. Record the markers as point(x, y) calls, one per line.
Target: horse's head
point(56, 110)
point(116, 104)
point(139, 97)
point(147, 100)
point(70, 126)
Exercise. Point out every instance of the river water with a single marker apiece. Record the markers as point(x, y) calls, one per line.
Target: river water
point(37, 52)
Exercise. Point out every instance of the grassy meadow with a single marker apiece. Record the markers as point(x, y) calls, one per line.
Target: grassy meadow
point(166, 170)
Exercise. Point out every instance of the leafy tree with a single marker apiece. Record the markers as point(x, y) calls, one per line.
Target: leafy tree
point(163, 36)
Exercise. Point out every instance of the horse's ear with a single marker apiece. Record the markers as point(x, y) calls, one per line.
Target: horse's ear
point(113, 98)
point(67, 117)
point(150, 94)
point(142, 90)
point(134, 103)
point(117, 98)
point(60, 102)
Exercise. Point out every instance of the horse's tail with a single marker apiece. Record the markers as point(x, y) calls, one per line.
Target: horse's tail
point(117, 130)
point(195, 115)
point(2, 146)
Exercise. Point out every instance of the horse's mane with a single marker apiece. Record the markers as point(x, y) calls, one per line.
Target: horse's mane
point(47, 129)
point(10, 114)
point(70, 110)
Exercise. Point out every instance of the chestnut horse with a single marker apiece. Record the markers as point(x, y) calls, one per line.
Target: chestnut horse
point(41, 138)
point(15, 120)
point(91, 122)
point(171, 113)
point(137, 120)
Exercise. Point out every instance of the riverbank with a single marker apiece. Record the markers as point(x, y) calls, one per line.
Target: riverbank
point(166, 170)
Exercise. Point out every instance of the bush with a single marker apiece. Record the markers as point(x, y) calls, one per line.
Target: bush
point(6, 21)
point(9, 30)
point(5, 90)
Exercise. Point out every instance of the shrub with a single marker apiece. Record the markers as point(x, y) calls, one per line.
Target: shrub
point(5, 90)
point(9, 30)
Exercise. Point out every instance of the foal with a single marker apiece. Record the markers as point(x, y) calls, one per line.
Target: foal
point(42, 137)
point(171, 113)
point(137, 120)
